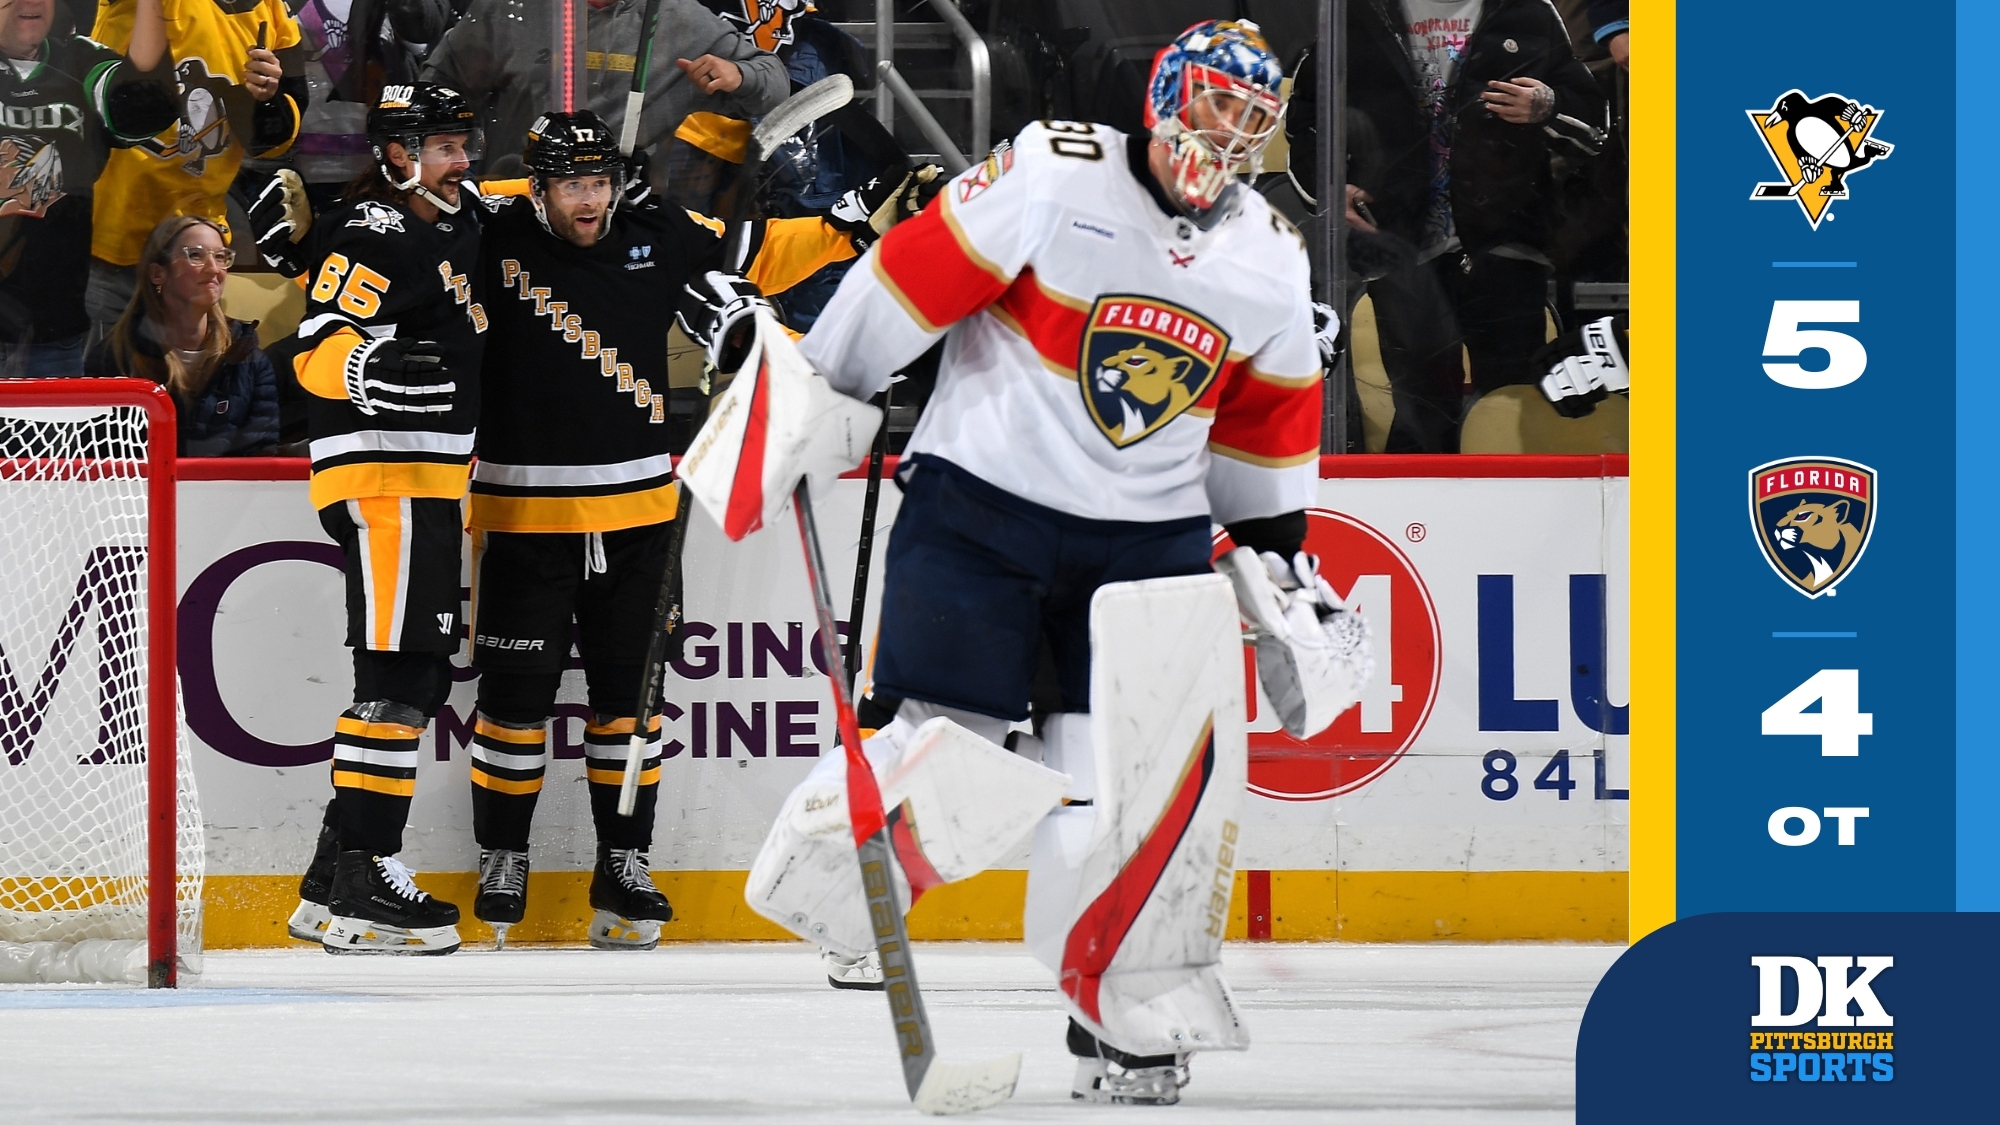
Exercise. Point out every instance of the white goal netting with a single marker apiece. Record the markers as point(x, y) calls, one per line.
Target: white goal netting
point(76, 684)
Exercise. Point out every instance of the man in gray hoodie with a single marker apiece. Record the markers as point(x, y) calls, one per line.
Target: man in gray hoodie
point(498, 56)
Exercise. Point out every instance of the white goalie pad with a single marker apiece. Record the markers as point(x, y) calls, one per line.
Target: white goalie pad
point(779, 420)
point(1314, 655)
point(957, 804)
point(1128, 898)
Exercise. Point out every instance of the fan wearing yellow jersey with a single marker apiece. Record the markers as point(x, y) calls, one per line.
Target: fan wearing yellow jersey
point(239, 70)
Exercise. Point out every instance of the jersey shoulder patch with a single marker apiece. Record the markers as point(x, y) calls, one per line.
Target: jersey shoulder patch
point(374, 215)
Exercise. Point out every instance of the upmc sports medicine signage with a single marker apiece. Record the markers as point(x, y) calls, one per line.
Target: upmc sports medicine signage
point(1798, 613)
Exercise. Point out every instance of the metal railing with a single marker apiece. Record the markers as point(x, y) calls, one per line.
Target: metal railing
point(948, 154)
point(979, 60)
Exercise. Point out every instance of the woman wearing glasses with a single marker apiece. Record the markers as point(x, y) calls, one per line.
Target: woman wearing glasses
point(174, 333)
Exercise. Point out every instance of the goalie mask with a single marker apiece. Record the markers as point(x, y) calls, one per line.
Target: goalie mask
point(571, 146)
point(411, 115)
point(1213, 101)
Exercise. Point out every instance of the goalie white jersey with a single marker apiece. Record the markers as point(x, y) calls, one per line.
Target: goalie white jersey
point(1105, 359)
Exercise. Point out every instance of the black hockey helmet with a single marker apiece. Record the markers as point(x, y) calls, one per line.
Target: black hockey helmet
point(571, 144)
point(409, 113)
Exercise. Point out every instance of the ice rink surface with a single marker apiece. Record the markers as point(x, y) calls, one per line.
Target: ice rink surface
point(751, 1033)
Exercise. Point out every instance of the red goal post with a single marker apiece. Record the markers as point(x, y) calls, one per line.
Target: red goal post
point(118, 434)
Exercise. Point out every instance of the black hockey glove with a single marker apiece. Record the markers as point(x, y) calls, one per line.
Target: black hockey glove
point(1585, 367)
point(398, 376)
point(726, 305)
point(900, 192)
point(279, 218)
point(637, 185)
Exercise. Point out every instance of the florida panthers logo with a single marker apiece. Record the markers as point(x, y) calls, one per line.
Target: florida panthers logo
point(1145, 362)
point(1817, 144)
point(1813, 517)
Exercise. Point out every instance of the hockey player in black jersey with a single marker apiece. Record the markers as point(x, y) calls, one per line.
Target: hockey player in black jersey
point(573, 494)
point(389, 348)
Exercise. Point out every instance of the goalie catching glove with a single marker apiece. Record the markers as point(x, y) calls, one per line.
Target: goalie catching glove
point(402, 377)
point(1314, 654)
point(280, 217)
point(727, 317)
point(1586, 367)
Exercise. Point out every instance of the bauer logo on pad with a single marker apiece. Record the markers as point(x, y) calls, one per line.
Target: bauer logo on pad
point(1813, 517)
point(1144, 362)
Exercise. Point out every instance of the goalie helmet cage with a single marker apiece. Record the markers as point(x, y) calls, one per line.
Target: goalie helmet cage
point(100, 831)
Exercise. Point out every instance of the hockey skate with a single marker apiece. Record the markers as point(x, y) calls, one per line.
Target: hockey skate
point(377, 908)
point(629, 907)
point(863, 972)
point(1106, 1083)
point(308, 922)
point(503, 891)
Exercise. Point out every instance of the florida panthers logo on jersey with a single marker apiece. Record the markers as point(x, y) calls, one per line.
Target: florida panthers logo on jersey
point(1144, 363)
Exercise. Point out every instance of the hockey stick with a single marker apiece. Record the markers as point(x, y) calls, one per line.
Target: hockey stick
point(793, 114)
point(934, 1086)
point(865, 550)
point(642, 62)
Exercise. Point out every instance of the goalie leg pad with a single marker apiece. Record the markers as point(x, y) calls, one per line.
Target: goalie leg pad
point(957, 804)
point(1128, 898)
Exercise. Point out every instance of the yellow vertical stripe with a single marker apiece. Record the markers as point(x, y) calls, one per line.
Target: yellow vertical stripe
point(1654, 222)
point(384, 517)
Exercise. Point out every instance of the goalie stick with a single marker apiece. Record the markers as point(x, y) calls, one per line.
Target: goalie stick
point(935, 1086)
point(793, 114)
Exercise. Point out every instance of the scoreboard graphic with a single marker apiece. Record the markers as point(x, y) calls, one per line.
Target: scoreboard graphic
point(1813, 841)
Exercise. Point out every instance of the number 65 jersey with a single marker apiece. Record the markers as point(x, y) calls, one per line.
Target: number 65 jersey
point(1104, 358)
point(380, 270)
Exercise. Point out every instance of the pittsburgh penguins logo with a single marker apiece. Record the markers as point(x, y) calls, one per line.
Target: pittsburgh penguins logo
point(1145, 362)
point(1816, 145)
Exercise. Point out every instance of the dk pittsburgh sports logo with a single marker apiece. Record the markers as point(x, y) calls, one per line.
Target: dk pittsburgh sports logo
point(1813, 516)
point(1824, 992)
point(1817, 144)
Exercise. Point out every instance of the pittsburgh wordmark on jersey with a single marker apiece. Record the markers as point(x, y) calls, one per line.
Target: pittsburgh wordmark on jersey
point(570, 327)
point(1816, 143)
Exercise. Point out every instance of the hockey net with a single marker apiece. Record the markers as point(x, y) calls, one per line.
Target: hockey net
point(100, 831)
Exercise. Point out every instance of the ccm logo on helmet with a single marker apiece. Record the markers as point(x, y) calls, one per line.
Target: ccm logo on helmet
point(509, 644)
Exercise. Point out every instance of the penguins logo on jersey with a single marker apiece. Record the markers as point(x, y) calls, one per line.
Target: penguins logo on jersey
point(378, 217)
point(1816, 145)
point(202, 132)
point(1145, 362)
point(1813, 517)
point(31, 179)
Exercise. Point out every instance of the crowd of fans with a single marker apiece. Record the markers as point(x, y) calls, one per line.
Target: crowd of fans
point(136, 134)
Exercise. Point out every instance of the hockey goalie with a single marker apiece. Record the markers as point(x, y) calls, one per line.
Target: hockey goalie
point(1130, 358)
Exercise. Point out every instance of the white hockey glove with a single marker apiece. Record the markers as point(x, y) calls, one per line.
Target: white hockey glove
point(280, 218)
point(1314, 654)
point(1577, 383)
point(728, 304)
point(401, 377)
point(1326, 334)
